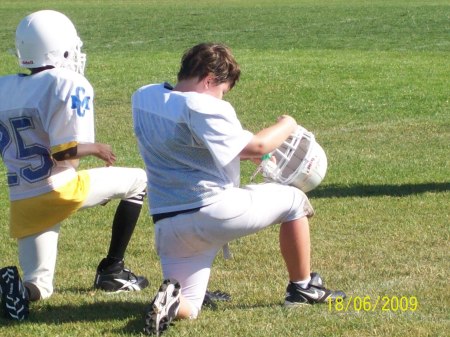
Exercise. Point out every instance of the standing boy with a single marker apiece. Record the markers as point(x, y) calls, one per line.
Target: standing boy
point(46, 126)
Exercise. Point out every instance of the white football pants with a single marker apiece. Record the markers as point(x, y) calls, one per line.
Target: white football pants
point(188, 242)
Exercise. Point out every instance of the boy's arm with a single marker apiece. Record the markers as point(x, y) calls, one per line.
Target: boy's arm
point(99, 150)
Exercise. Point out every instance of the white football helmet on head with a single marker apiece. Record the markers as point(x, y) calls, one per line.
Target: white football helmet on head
point(300, 161)
point(49, 38)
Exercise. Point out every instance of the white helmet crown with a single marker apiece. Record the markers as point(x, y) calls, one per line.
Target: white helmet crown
point(300, 161)
point(49, 38)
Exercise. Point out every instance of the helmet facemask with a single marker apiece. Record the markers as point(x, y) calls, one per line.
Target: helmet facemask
point(300, 161)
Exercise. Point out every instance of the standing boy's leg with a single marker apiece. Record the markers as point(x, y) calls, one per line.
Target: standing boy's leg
point(111, 272)
point(128, 184)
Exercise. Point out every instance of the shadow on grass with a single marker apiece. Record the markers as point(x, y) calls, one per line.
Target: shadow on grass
point(343, 191)
point(102, 311)
point(90, 312)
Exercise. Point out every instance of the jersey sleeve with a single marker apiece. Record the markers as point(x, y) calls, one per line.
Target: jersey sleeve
point(221, 132)
point(69, 116)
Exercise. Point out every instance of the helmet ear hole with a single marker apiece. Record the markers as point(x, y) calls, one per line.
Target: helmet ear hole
point(66, 54)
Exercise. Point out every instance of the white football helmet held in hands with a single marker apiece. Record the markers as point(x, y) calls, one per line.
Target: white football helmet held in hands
point(49, 38)
point(300, 161)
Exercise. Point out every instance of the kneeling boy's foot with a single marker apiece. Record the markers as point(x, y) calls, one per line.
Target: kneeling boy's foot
point(14, 294)
point(314, 293)
point(164, 308)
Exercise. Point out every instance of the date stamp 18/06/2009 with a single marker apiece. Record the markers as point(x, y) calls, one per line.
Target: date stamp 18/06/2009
point(372, 304)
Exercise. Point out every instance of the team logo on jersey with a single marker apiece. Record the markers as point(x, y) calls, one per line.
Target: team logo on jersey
point(80, 102)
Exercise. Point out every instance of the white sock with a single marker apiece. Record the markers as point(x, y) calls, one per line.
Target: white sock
point(304, 283)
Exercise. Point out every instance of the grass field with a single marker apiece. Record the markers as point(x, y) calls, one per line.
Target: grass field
point(369, 78)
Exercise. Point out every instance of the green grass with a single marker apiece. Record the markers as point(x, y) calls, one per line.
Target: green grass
point(369, 78)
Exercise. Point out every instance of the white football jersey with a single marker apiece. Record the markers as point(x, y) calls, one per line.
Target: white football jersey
point(42, 114)
point(190, 143)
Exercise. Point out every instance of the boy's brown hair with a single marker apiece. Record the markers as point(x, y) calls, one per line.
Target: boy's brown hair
point(210, 58)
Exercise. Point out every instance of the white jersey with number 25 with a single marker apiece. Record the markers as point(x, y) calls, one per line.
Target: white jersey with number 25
point(42, 114)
